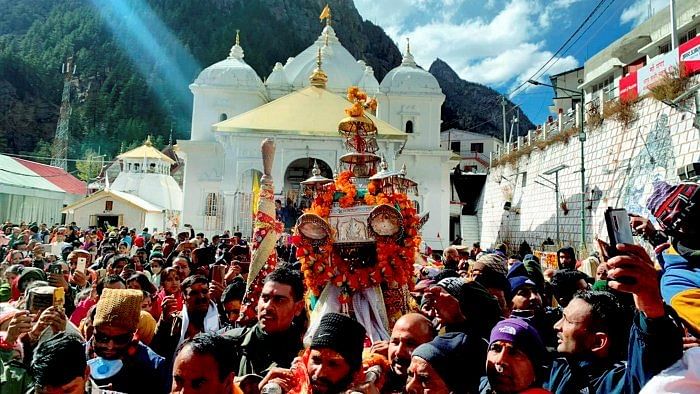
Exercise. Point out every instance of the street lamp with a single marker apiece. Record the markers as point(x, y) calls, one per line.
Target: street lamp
point(582, 139)
point(555, 171)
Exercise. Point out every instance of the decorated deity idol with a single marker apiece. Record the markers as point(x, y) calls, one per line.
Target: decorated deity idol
point(358, 242)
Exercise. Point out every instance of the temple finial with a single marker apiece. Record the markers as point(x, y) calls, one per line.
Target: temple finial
point(319, 78)
point(408, 59)
point(236, 50)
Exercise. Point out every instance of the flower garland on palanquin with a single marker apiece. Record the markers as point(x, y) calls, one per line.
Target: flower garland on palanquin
point(394, 267)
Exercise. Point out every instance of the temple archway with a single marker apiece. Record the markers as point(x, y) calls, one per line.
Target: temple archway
point(297, 171)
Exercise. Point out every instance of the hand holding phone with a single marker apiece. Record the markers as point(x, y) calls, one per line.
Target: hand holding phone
point(619, 232)
point(81, 264)
point(59, 297)
point(217, 273)
point(619, 228)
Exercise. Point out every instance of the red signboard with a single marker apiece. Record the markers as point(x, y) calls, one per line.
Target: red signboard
point(689, 54)
point(628, 87)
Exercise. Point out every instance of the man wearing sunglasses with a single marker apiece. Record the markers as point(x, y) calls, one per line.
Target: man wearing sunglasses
point(123, 364)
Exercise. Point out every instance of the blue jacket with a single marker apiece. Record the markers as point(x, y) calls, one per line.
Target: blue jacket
point(680, 283)
point(654, 345)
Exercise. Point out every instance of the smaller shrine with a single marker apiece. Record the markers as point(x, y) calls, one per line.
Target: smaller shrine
point(144, 194)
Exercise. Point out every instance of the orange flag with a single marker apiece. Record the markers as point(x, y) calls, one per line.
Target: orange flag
point(326, 13)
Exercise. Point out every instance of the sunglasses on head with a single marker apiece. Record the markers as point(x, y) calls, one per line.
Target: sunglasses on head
point(117, 339)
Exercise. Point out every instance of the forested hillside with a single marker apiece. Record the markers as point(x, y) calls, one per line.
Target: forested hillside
point(136, 58)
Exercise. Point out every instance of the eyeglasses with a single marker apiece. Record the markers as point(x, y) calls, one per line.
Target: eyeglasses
point(117, 339)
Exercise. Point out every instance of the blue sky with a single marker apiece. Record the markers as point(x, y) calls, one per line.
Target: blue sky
point(501, 43)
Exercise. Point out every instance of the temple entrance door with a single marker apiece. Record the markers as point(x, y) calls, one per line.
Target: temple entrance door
point(300, 170)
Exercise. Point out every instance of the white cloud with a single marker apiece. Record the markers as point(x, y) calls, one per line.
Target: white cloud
point(639, 11)
point(495, 51)
point(514, 64)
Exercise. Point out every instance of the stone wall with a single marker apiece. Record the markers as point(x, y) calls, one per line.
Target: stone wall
point(620, 165)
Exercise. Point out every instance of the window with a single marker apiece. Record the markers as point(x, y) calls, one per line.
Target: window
point(477, 147)
point(606, 86)
point(524, 180)
point(664, 48)
point(223, 117)
point(109, 204)
point(688, 36)
point(455, 146)
point(409, 127)
point(211, 206)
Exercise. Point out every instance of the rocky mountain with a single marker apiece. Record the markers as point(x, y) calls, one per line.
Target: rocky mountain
point(472, 106)
point(125, 92)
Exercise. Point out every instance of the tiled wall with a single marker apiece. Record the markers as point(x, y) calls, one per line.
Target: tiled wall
point(619, 172)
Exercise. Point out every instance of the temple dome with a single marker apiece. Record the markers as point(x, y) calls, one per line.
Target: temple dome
point(408, 78)
point(232, 72)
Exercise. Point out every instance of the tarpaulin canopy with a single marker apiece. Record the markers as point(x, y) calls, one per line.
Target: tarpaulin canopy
point(26, 195)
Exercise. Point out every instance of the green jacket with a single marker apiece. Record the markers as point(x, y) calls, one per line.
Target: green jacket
point(257, 352)
point(14, 377)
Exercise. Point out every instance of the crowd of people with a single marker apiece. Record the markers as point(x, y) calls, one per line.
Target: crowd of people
point(121, 310)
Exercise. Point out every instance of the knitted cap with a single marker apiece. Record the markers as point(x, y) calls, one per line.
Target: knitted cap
point(522, 335)
point(447, 354)
point(120, 308)
point(493, 261)
point(661, 192)
point(343, 334)
point(479, 307)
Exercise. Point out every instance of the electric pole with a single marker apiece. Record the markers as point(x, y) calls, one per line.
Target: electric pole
point(505, 121)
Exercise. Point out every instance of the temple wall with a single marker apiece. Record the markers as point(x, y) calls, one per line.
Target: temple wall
point(619, 170)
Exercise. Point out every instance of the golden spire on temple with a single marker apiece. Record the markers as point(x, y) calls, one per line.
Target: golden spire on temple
point(408, 45)
point(318, 78)
point(238, 37)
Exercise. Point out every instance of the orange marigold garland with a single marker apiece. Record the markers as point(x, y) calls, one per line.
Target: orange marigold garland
point(394, 260)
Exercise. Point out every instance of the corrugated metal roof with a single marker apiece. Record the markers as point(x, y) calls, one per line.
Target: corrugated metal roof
point(18, 179)
point(57, 176)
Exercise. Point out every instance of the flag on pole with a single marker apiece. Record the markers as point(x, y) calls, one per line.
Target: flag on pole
point(255, 192)
point(326, 13)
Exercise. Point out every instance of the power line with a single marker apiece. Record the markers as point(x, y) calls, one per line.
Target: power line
point(35, 176)
point(48, 157)
point(571, 37)
point(590, 37)
point(583, 33)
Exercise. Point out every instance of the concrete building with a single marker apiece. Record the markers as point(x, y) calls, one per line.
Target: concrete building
point(636, 49)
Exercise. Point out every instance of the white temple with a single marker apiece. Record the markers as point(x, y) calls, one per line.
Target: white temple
point(234, 110)
point(144, 194)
